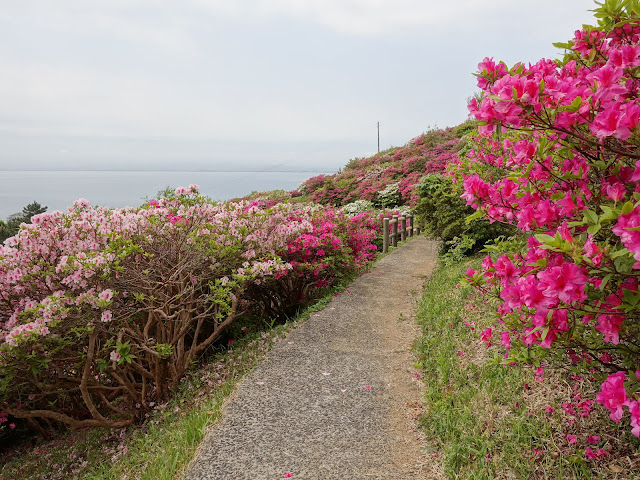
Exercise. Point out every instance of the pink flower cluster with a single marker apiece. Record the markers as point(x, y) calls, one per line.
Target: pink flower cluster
point(613, 396)
point(557, 156)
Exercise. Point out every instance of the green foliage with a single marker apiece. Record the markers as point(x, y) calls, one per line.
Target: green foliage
point(475, 410)
point(464, 128)
point(457, 249)
point(444, 215)
point(12, 225)
point(166, 192)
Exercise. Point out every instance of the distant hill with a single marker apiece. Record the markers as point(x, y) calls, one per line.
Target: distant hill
point(389, 178)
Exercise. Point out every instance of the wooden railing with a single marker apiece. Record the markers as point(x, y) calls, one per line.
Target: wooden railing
point(397, 228)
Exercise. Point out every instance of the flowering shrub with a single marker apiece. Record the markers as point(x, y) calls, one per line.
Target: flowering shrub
point(312, 184)
point(103, 311)
point(334, 246)
point(443, 214)
point(359, 206)
point(267, 199)
point(389, 196)
point(558, 157)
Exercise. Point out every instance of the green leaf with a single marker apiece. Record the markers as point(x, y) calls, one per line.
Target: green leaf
point(545, 332)
point(544, 238)
point(590, 216)
point(619, 253)
point(627, 208)
point(102, 365)
point(629, 296)
point(475, 215)
point(605, 281)
point(609, 213)
point(575, 224)
point(622, 264)
point(593, 229)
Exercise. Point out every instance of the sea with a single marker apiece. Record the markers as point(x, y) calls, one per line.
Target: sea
point(59, 189)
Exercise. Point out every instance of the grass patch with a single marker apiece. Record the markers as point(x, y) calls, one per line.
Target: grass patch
point(163, 446)
point(490, 421)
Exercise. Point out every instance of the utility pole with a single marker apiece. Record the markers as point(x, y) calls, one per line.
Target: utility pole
point(378, 137)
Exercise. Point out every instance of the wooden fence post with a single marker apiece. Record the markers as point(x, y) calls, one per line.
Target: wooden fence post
point(385, 235)
point(403, 232)
point(395, 231)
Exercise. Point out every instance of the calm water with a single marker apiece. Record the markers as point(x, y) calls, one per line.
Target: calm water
point(59, 189)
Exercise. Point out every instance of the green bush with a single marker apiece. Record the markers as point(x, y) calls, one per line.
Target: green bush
point(444, 215)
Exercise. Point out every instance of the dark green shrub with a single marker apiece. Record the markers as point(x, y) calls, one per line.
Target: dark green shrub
point(443, 214)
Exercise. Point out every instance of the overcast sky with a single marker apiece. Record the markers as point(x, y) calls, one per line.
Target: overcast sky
point(295, 82)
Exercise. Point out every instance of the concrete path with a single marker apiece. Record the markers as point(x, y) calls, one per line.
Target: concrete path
point(337, 399)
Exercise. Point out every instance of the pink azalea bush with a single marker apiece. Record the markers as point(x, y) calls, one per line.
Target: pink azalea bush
point(334, 245)
point(558, 156)
point(103, 311)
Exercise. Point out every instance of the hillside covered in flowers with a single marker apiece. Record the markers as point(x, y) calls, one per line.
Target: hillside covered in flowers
point(389, 178)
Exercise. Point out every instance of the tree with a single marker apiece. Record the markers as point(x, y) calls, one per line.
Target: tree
point(12, 225)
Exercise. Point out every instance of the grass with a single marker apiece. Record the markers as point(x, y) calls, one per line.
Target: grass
point(163, 446)
point(489, 421)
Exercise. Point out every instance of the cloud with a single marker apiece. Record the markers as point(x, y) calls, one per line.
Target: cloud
point(360, 17)
point(77, 100)
point(237, 69)
point(385, 17)
point(168, 24)
point(142, 22)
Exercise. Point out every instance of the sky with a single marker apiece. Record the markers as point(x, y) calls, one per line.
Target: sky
point(232, 84)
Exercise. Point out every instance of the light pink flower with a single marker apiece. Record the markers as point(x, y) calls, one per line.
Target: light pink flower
point(105, 295)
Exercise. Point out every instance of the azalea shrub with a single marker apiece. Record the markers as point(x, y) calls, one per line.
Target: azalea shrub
point(103, 311)
point(334, 246)
point(269, 198)
point(444, 215)
point(558, 156)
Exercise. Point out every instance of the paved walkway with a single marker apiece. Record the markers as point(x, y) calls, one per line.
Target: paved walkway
point(337, 399)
